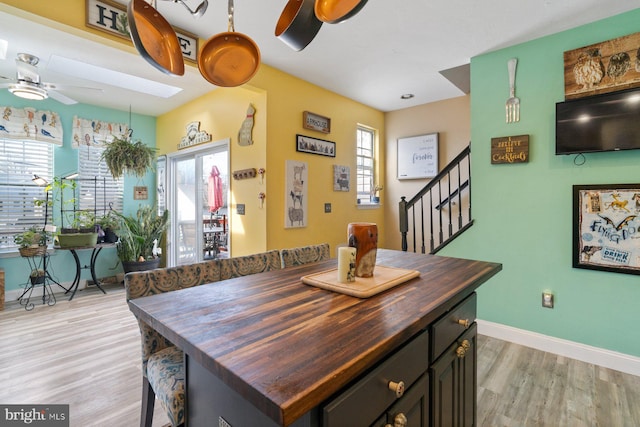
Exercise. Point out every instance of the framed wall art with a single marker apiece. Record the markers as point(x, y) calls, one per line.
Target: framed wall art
point(603, 67)
point(323, 147)
point(341, 178)
point(606, 227)
point(295, 197)
point(418, 156)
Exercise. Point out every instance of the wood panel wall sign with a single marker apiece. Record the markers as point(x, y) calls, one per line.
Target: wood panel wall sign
point(510, 149)
point(111, 17)
point(316, 122)
point(602, 67)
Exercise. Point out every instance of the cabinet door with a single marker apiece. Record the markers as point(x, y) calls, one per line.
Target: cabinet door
point(412, 410)
point(454, 382)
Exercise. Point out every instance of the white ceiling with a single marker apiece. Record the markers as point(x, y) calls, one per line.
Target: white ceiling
point(389, 48)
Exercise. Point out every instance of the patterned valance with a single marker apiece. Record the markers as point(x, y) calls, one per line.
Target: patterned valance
point(30, 124)
point(96, 132)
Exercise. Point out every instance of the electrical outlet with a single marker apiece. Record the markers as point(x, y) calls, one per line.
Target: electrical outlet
point(547, 299)
point(240, 208)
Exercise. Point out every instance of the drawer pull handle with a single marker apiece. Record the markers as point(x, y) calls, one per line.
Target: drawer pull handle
point(464, 322)
point(461, 351)
point(397, 388)
point(400, 420)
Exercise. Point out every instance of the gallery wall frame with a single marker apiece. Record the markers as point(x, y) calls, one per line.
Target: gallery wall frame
point(307, 144)
point(606, 227)
point(418, 156)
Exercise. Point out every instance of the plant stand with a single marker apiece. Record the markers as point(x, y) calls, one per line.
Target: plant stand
point(39, 262)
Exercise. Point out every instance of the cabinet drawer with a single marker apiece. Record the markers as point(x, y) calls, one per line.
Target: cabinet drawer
point(366, 400)
point(449, 327)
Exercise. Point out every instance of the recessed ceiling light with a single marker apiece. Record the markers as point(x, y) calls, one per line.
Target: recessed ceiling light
point(28, 91)
point(407, 96)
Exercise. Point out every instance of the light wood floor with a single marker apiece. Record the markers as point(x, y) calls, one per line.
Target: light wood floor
point(85, 353)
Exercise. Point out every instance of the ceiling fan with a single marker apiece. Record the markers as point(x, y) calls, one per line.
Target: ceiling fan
point(27, 83)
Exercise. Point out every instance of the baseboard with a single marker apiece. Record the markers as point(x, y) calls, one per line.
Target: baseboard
point(585, 353)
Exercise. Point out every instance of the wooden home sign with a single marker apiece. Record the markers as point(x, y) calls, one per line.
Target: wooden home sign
point(510, 149)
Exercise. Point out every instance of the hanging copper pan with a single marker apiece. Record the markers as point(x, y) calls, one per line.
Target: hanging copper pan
point(335, 11)
point(154, 38)
point(298, 24)
point(229, 59)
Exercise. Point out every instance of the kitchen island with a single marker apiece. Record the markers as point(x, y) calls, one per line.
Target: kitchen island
point(268, 350)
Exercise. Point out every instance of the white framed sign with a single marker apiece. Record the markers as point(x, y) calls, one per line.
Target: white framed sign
point(418, 156)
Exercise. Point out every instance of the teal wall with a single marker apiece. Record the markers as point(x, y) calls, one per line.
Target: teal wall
point(65, 161)
point(523, 212)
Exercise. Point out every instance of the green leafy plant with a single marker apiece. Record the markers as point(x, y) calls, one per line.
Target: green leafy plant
point(31, 237)
point(109, 221)
point(122, 155)
point(138, 233)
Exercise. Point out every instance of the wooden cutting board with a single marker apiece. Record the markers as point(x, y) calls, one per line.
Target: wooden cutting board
point(383, 278)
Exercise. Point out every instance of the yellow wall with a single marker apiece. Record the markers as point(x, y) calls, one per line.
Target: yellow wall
point(451, 119)
point(221, 113)
point(280, 100)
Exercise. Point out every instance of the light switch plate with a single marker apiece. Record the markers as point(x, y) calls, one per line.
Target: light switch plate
point(547, 299)
point(327, 208)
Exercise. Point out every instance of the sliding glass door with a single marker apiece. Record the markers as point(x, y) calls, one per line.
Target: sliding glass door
point(198, 201)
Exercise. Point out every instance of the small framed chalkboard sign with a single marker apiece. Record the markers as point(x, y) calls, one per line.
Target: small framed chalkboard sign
point(418, 156)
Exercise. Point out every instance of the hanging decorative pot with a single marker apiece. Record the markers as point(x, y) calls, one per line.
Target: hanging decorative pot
point(229, 59)
point(335, 11)
point(298, 24)
point(154, 38)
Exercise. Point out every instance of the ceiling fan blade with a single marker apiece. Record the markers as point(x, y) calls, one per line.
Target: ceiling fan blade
point(61, 98)
point(53, 86)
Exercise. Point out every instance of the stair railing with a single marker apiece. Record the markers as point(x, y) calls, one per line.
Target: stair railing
point(438, 223)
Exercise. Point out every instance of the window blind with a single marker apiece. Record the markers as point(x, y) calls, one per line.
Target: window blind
point(96, 187)
point(19, 162)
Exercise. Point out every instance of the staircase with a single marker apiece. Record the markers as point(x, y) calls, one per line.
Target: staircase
point(441, 211)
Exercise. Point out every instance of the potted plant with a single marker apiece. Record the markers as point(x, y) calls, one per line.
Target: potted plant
point(122, 155)
point(82, 231)
point(375, 195)
point(37, 276)
point(108, 225)
point(137, 235)
point(31, 242)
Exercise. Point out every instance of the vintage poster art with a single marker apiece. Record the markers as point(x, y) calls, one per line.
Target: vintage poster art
point(606, 227)
point(295, 197)
point(341, 178)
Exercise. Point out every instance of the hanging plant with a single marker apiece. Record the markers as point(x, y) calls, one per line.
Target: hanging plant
point(122, 155)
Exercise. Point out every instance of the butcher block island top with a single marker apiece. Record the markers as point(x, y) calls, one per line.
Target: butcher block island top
point(286, 347)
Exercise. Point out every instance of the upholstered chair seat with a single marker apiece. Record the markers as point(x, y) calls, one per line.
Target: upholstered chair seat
point(165, 373)
point(304, 255)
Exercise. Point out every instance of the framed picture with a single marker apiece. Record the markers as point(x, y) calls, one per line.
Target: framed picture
point(307, 144)
point(316, 122)
point(418, 156)
point(606, 227)
point(295, 196)
point(341, 178)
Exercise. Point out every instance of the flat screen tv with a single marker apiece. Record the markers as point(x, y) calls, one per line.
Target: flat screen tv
point(607, 122)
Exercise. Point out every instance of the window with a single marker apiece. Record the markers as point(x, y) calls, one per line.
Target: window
point(96, 187)
point(19, 162)
point(365, 162)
